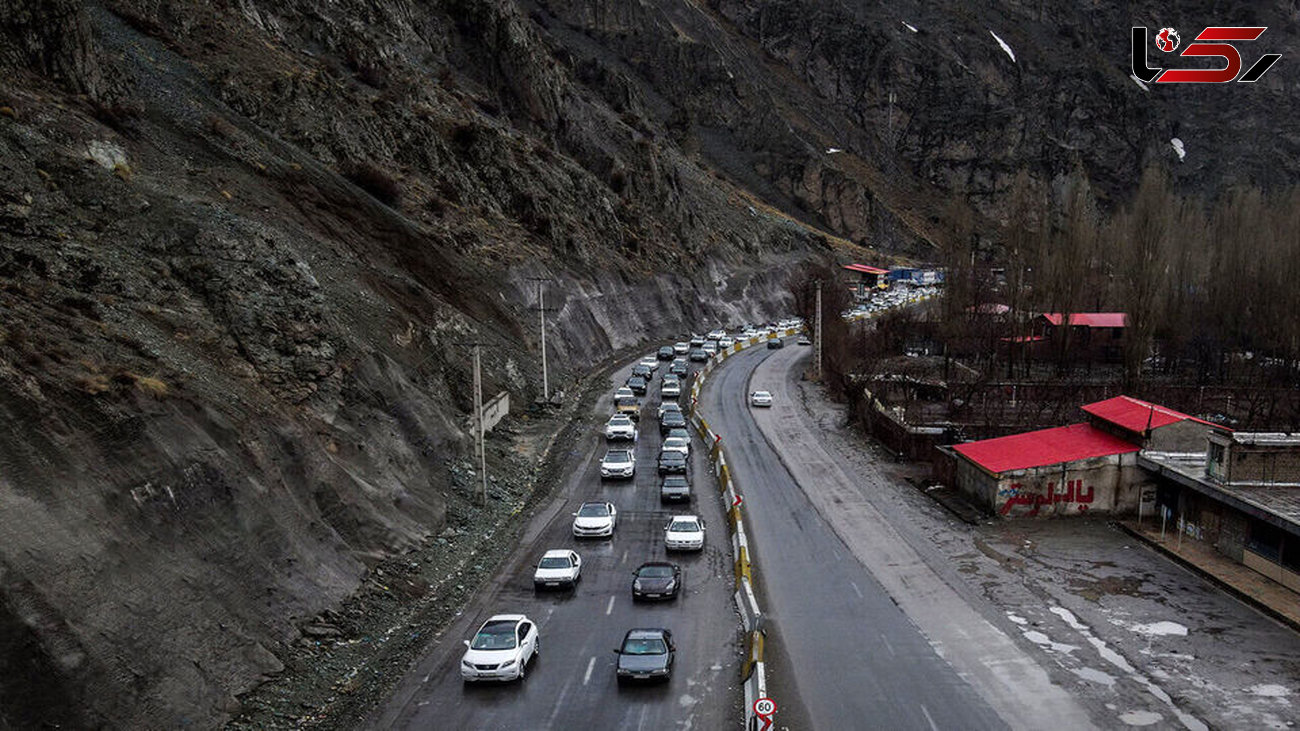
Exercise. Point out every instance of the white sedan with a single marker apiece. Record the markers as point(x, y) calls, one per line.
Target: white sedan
point(618, 463)
point(760, 398)
point(684, 533)
point(678, 444)
point(595, 520)
point(500, 649)
point(650, 362)
point(558, 568)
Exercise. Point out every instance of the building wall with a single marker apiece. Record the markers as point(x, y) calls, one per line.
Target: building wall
point(1181, 436)
point(1105, 485)
point(1262, 464)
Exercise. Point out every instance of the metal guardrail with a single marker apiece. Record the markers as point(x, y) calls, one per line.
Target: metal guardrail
point(753, 672)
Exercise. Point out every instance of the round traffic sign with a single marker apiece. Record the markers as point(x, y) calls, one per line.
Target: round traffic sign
point(764, 706)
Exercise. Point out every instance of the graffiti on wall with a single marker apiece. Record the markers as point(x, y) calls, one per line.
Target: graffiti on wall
point(1074, 494)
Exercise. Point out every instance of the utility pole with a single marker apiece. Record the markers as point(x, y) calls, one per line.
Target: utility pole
point(817, 333)
point(478, 417)
point(541, 315)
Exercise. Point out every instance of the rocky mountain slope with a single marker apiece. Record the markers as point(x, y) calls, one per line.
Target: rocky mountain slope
point(244, 247)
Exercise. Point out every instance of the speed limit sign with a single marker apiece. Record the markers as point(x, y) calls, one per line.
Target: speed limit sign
point(764, 706)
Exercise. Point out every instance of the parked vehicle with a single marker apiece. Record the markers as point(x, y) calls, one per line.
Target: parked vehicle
point(684, 533)
point(618, 463)
point(558, 568)
point(620, 426)
point(501, 649)
point(646, 654)
point(656, 580)
point(595, 520)
point(760, 398)
point(675, 488)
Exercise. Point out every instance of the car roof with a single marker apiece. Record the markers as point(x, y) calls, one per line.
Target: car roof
point(557, 553)
point(505, 618)
point(646, 633)
point(675, 478)
point(657, 563)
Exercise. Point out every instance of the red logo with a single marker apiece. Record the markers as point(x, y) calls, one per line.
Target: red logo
point(1167, 40)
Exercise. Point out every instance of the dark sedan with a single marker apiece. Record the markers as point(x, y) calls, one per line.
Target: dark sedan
point(679, 367)
point(646, 654)
point(656, 580)
point(675, 488)
point(643, 371)
point(698, 355)
point(665, 353)
point(637, 384)
point(671, 420)
point(672, 463)
point(775, 344)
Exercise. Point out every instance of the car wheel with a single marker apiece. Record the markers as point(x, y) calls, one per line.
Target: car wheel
point(522, 665)
point(537, 647)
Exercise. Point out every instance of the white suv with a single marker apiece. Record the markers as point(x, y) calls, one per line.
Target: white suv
point(500, 649)
point(620, 426)
point(618, 463)
point(684, 533)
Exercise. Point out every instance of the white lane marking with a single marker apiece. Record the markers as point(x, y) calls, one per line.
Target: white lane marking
point(927, 718)
point(856, 590)
point(610, 609)
point(888, 646)
point(837, 555)
point(624, 559)
point(586, 677)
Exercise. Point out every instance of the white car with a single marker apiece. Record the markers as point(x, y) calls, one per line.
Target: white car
point(500, 649)
point(684, 533)
point(595, 520)
point(725, 342)
point(623, 392)
point(681, 348)
point(668, 406)
point(618, 463)
point(620, 426)
point(760, 398)
point(717, 334)
point(678, 444)
point(670, 389)
point(710, 347)
point(558, 568)
point(650, 362)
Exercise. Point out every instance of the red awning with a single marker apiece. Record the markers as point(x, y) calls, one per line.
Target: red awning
point(865, 269)
point(1043, 447)
point(1089, 319)
point(1137, 415)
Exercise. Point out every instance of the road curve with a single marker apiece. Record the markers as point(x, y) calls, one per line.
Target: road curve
point(853, 658)
point(572, 684)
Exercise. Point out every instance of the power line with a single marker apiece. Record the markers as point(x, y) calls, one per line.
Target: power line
point(541, 314)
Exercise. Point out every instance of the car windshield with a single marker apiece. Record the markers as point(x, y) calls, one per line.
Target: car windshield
point(672, 456)
point(762, 394)
point(672, 407)
point(554, 562)
point(655, 572)
point(593, 510)
point(620, 421)
point(674, 481)
point(644, 647)
point(495, 636)
point(617, 457)
point(684, 526)
point(674, 442)
point(626, 402)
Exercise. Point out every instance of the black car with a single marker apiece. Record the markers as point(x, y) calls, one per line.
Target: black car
point(679, 368)
point(671, 420)
point(646, 654)
point(675, 488)
point(637, 384)
point(643, 371)
point(775, 344)
point(656, 580)
point(672, 462)
point(698, 355)
point(665, 353)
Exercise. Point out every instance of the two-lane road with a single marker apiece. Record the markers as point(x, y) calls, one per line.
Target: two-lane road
point(572, 684)
point(850, 656)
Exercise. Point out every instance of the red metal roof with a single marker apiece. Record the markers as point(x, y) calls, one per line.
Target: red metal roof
point(1089, 319)
point(1137, 415)
point(865, 269)
point(1043, 447)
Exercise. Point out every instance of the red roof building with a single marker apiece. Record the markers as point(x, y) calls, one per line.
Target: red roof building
point(864, 269)
point(1088, 319)
point(1136, 415)
point(1044, 447)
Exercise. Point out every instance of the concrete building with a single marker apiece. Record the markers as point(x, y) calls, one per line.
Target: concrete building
point(864, 279)
point(1241, 495)
point(1091, 467)
point(1094, 336)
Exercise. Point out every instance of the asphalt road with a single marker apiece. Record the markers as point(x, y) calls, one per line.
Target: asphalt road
point(572, 684)
point(848, 656)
